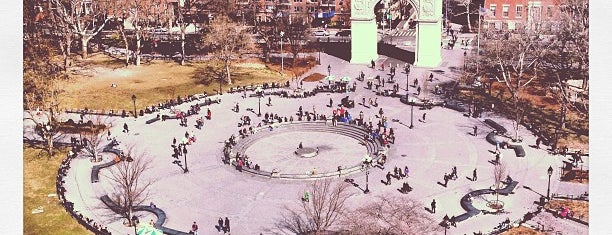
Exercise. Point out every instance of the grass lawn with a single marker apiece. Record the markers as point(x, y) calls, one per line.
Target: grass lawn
point(157, 81)
point(578, 207)
point(521, 230)
point(39, 173)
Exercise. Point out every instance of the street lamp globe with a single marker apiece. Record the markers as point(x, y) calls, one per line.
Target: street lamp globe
point(550, 170)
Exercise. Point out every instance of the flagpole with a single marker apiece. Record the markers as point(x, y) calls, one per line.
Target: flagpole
point(478, 40)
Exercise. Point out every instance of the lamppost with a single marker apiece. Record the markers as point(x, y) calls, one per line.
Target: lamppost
point(550, 171)
point(411, 114)
point(258, 91)
point(367, 164)
point(134, 100)
point(319, 44)
point(328, 70)
point(185, 155)
point(407, 80)
point(282, 57)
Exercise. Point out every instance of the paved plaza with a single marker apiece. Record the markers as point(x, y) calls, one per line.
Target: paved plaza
point(212, 189)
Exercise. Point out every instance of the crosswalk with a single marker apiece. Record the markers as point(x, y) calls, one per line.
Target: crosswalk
point(405, 33)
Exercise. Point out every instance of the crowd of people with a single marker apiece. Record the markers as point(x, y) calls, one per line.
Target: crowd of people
point(61, 190)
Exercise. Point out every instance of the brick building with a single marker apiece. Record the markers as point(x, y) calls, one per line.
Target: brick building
point(519, 14)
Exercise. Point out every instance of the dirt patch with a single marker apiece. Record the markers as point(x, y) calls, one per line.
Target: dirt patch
point(578, 207)
point(314, 77)
point(521, 230)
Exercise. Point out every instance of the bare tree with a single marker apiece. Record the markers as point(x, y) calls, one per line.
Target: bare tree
point(296, 35)
point(513, 59)
point(41, 90)
point(568, 59)
point(95, 135)
point(499, 172)
point(129, 187)
point(227, 40)
point(324, 208)
point(389, 215)
point(140, 16)
point(83, 18)
point(469, 9)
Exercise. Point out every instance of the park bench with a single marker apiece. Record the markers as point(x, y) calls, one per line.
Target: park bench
point(491, 138)
point(152, 120)
point(518, 150)
point(455, 106)
point(509, 188)
point(499, 128)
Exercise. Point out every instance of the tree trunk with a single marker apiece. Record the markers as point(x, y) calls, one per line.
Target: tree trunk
point(467, 11)
point(183, 45)
point(68, 41)
point(137, 52)
point(50, 144)
point(227, 70)
point(84, 43)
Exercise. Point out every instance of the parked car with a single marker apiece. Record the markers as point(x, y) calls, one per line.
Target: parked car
point(344, 32)
point(321, 33)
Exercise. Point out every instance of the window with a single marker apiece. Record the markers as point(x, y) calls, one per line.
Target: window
point(505, 9)
point(492, 8)
point(519, 11)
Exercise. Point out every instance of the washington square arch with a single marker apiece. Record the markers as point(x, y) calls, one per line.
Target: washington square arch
point(363, 26)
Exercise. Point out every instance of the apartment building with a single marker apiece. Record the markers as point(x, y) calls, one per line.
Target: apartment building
point(519, 14)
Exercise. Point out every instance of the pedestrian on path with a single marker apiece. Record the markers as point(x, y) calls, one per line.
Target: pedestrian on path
point(194, 228)
point(373, 64)
point(474, 176)
point(388, 178)
point(269, 101)
point(382, 65)
point(475, 130)
point(226, 228)
point(331, 102)
point(424, 114)
point(125, 128)
point(220, 225)
point(431, 77)
point(419, 90)
point(433, 206)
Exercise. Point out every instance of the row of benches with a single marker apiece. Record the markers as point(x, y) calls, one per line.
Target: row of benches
point(95, 170)
point(349, 130)
point(492, 138)
point(161, 215)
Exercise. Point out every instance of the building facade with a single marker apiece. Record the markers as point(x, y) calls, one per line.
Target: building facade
point(519, 14)
point(315, 12)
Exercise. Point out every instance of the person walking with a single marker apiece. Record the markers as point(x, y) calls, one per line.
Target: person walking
point(125, 128)
point(388, 178)
point(269, 101)
point(382, 65)
point(431, 77)
point(373, 64)
point(445, 179)
point(474, 176)
point(226, 228)
point(424, 114)
point(331, 102)
point(475, 130)
point(194, 228)
point(433, 206)
point(454, 173)
point(419, 90)
point(220, 224)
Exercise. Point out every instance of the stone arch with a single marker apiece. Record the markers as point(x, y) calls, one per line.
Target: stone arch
point(364, 41)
